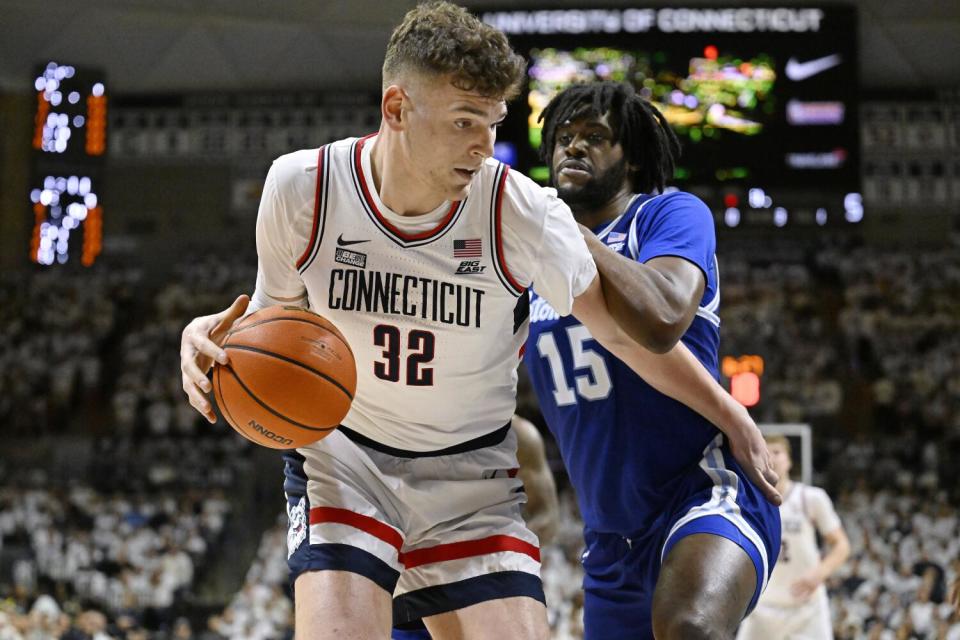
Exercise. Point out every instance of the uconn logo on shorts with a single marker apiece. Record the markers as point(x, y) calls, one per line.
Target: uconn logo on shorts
point(297, 529)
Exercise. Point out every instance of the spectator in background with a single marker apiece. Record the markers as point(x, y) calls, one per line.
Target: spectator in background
point(795, 603)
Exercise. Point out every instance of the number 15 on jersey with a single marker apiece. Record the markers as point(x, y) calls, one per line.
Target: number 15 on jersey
point(593, 384)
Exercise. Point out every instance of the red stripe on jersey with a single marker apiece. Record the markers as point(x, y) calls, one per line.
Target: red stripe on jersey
point(373, 207)
point(468, 549)
point(500, 258)
point(523, 350)
point(316, 210)
point(364, 523)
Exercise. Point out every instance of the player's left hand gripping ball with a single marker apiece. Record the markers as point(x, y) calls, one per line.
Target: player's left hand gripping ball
point(290, 380)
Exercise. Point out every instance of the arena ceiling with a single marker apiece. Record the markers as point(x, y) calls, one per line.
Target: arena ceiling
point(149, 46)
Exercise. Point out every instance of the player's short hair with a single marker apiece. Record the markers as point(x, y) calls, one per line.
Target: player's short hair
point(778, 438)
point(442, 39)
point(650, 146)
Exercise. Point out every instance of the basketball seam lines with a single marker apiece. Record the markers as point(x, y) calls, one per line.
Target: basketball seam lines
point(243, 347)
point(304, 320)
point(274, 412)
point(221, 400)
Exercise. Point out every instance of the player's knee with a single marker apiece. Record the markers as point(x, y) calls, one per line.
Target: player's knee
point(688, 625)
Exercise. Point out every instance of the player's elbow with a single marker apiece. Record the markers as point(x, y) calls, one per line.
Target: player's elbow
point(664, 333)
point(668, 323)
point(844, 546)
point(641, 334)
point(665, 339)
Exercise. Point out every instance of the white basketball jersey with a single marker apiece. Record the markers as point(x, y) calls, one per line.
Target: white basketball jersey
point(434, 307)
point(805, 511)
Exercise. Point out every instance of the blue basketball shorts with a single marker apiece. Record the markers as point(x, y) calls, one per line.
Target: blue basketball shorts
point(620, 573)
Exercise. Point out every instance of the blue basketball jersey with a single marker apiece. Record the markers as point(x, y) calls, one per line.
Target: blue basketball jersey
point(625, 445)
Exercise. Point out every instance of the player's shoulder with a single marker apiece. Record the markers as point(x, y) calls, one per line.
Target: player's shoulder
point(294, 167)
point(817, 494)
point(672, 202)
point(304, 162)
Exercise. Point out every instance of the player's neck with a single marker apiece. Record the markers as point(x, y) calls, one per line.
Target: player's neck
point(592, 216)
point(784, 486)
point(399, 188)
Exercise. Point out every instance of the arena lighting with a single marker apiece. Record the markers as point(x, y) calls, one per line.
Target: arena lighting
point(853, 207)
point(759, 199)
point(64, 204)
point(69, 142)
point(780, 217)
point(70, 117)
point(745, 388)
point(744, 373)
point(731, 216)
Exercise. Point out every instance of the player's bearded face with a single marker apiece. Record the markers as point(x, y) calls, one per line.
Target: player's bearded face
point(598, 190)
point(588, 167)
point(449, 134)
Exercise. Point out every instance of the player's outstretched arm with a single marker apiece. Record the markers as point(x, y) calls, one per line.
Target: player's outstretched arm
point(681, 376)
point(543, 510)
point(200, 346)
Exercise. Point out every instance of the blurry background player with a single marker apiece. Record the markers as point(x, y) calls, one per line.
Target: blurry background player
point(679, 541)
point(795, 606)
point(541, 510)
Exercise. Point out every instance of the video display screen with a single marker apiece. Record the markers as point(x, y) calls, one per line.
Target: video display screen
point(765, 95)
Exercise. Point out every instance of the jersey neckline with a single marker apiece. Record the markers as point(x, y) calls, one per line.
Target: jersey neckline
point(447, 213)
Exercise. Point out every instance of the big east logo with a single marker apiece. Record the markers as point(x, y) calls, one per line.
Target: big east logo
point(470, 266)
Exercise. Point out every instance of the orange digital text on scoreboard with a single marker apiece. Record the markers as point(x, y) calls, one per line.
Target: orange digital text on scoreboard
point(96, 125)
point(744, 373)
point(43, 110)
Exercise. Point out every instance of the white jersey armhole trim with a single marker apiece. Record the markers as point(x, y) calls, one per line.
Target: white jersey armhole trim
point(319, 211)
point(496, 233)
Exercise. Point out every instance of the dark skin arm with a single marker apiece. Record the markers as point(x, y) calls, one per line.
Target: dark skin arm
point(653, 302)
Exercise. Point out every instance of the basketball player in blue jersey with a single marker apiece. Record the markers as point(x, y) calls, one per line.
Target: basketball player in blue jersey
point(680, 540)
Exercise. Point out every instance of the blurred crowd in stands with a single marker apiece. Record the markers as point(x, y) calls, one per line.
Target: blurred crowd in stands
point(127, 555)
point(148, 389)
point(863, 344)
point(56, 329)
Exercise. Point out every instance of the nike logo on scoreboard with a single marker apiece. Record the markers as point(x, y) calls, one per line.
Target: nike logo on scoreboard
point(798, 71)
point(346, 243)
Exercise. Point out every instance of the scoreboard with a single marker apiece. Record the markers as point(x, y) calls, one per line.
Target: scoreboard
point(763, 99)
point(69, 146)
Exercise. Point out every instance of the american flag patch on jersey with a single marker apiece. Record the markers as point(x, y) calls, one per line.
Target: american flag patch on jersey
point(616, 236)
point(467, 248)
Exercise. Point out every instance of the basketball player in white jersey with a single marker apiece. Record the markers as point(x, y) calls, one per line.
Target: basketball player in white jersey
point(794, 605)
point(420, 247)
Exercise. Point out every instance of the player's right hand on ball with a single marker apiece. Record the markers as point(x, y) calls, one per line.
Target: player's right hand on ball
point(200, 346)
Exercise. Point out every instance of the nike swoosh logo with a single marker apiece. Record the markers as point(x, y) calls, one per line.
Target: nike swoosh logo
point(798, 71)
point(346, 243)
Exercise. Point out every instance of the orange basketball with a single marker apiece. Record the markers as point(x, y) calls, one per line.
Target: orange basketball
point(290, 380)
